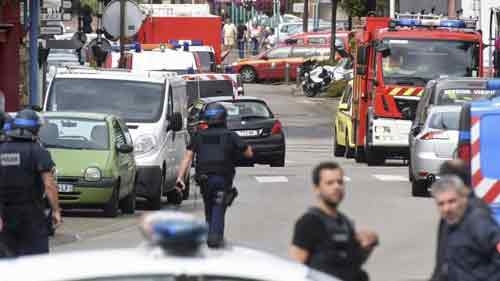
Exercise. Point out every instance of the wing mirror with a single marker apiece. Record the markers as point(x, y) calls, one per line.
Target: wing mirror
point(125, 148)
point(175, 122)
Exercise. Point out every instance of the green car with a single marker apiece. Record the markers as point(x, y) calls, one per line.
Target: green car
point(95, 166)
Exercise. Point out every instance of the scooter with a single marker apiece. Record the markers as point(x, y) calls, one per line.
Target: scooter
point(317, 80)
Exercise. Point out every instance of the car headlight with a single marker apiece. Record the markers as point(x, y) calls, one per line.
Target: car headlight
point(92, 174)
point(145, 144)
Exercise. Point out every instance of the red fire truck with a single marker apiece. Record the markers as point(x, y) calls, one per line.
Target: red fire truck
point(395, 58)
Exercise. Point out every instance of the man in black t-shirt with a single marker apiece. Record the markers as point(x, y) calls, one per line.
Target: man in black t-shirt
point(241, 36)
point(324, 238)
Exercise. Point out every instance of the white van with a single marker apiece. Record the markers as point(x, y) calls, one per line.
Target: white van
point(160, 60)
point(153, 104)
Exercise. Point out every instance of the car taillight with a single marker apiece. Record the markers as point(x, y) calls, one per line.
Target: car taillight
point(276, 128)
point(464, 152)
point(434, 135)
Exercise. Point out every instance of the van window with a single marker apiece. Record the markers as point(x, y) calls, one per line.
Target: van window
point(207, 61)
point(490, 150)
point(170, 103)
point(458, 96)
point(444, 120)
point(207, 88)
point(133, 101)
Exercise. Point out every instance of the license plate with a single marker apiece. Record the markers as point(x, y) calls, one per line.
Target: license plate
point(64, 187)
point(248, 133)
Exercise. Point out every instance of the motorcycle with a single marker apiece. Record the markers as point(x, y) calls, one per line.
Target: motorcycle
point(318, 80)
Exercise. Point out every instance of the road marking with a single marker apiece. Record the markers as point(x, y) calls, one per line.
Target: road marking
point(390, 178)
point(271, 179)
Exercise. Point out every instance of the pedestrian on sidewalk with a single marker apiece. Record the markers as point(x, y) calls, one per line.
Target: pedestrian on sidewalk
point(458, 168)
point(241, 37)
point(229, 32)
point(472, 243)
point(255, 33)
point(324, 238)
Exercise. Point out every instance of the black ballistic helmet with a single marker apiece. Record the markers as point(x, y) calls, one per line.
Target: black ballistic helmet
point(215, 114)
point(25, 125)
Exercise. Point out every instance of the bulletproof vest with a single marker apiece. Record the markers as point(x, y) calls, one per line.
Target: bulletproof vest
point(214, 155)
point(18, 174)
point(337, 254)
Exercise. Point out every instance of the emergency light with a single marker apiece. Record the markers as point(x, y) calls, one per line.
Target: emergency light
point(174, 231)
point(493, 84)
point(416, 22)
point(185, 44)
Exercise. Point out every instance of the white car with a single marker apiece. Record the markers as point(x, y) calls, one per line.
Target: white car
point(162, 259)
point(153, 105)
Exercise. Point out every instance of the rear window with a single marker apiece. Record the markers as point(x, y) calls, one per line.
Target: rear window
point(444, 120)
point(458, 96)
point(204, 89)
point(490, 150)
point(247, 110)
point(207, 61)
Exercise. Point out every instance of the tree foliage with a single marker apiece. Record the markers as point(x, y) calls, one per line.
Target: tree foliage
point(357, 8)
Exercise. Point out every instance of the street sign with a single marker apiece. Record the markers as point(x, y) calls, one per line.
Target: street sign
point(67, 5)
point(298, 7)
point(51, 30)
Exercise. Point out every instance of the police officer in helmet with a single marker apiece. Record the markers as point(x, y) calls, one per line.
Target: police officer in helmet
point(217, 149)
point(26, 173)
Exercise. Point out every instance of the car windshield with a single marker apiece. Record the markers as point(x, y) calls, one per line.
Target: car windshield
point(206, 88)
point(133, 101)
point(458, 96)
point(415, 62)
point(75, 133)
point(445, 120)
point(246, 110)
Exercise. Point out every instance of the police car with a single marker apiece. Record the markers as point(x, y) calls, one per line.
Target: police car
point(478, 144)
point(174, 250)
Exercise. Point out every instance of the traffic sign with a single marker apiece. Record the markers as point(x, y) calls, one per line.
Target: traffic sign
point(54, 14)
point(51, 30)
point(67, 4)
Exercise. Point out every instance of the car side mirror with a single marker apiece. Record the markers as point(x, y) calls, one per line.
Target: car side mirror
point(125, 148)
point(175, 122)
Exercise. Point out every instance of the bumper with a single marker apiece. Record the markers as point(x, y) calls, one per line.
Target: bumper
point(267, 149)
point(426, 163)
point(390, 132)
point(87, 193)
point(148, 181)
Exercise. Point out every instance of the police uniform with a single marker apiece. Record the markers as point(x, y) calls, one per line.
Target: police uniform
point(331, 243)
point(21, 195)
point(216, 150)
point(473, 247)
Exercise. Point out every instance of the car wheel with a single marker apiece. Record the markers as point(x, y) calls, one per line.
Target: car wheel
point(155, 201)
point(309, 91)
point(111, 208)
point(127, 205)
point(338, 150)
point(248, 74)
point(410, 172)
point(374, 157)
point(419, 188)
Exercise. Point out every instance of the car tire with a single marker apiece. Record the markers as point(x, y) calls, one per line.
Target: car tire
point(411, 178)
point(127, 205)
point(419, 188)
point(309, 92)
point(338, 150)
point(111, 208)
point(155, 201)
point(374, 157)
point(248, 74)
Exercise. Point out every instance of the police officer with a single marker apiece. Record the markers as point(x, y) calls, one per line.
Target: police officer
point(26, 173)
point(473, 236)
point(324, 238)
point(217, 149)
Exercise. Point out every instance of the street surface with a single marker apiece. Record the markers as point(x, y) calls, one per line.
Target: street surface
point(271, 199)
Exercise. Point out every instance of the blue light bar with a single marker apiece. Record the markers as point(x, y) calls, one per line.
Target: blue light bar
point(185, 46)
point(453, 23)
point(493, 84)
point(408, 22)
point(196, 43)
point(171, 229)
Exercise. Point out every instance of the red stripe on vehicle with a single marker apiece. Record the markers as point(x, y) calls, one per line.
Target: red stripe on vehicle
point(477, 177)
point(492, 193)
point(475, 147)
point(474, 120)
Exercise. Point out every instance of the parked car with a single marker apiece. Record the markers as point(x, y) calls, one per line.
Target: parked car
point(153, 105)
point(270, 65)
point(447, 91)
point(252, 119)
point(432, 143)
point(94, 160)
point(318, 38)
point(343, 140)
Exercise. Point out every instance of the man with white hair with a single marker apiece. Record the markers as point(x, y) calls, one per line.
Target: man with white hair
point(473, 236)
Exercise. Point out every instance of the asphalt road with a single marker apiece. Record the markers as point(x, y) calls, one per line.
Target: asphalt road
point(271, 199)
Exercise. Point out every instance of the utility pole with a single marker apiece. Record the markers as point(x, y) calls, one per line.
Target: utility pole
point(451, 9)
point(305, 17)
point(122, 34)
point(333, 31)
point(33, 51)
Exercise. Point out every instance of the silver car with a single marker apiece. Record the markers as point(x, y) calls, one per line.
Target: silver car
point(432, 143)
